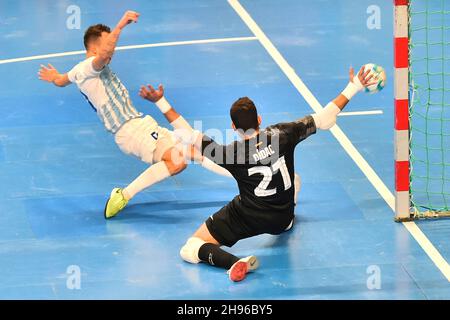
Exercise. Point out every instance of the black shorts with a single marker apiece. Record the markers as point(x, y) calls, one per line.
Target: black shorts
point(235, 222)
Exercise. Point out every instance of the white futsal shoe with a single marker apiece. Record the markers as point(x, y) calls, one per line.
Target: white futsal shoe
point(239, 270)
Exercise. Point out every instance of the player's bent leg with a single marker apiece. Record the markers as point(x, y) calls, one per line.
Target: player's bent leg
point(119, 197)
point(203, 247)
point(204, 234)
point(174, 160)
point(115, 203)
point(189, 252)
point(161, 170)
point(168, 162)
point(139, 138)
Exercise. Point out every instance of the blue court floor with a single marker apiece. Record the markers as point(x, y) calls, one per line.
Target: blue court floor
point(58, 164)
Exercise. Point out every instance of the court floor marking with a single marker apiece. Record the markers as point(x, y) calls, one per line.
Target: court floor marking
point(379, 185)
point(360, 113)
point(345, 142)
point(139, 46)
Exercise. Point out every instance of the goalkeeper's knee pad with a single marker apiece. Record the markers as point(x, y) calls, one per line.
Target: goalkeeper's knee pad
point(189, 252)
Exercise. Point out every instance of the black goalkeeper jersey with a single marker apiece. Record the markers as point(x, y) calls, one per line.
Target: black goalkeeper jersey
point(263, 166)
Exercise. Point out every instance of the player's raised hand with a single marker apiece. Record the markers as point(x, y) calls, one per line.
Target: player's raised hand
point(363, 76)
point(149, 93)
point(128, 17)
point(48, 73)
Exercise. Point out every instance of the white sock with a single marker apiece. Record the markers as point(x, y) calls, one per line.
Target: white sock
point(152, 175)
point(211, 166)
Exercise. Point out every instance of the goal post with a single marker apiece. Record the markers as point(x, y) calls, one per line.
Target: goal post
point(401, 106)
point(422, 108)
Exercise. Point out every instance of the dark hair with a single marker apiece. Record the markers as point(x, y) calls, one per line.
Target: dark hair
point(94, 32)
point(244, 115)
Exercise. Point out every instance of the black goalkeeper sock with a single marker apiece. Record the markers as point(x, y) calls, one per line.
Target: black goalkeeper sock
point(212, 254)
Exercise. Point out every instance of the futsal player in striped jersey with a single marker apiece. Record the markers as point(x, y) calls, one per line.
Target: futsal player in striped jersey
point(133, 132)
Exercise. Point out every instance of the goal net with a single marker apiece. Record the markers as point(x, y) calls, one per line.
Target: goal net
point(423, 111)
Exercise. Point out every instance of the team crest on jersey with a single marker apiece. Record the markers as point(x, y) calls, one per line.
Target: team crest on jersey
point(155, 135)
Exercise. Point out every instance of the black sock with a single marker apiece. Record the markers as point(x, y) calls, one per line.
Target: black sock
point(212, 254)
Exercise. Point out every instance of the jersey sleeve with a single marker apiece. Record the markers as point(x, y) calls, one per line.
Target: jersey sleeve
point(83, 70)
point(222, 155)
point(298, 130)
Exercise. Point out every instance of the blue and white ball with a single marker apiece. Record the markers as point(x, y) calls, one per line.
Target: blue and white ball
point(379, 77)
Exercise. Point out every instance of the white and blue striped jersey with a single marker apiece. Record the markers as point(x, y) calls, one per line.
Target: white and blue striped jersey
point(105, 93)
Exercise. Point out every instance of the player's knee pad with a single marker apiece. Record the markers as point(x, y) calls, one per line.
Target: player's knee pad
point(326, 118)
point(189, 252)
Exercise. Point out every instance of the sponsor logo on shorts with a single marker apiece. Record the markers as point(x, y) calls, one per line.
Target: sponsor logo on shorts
point(154, 135)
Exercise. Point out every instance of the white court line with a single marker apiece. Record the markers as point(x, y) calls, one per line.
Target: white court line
point(345, 142)
point(139, 46)
point(360, 113)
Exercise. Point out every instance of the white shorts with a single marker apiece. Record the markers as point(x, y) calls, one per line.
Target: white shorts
point(143, 138)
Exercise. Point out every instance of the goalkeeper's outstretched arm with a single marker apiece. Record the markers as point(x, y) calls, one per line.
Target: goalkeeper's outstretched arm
point(326, 118)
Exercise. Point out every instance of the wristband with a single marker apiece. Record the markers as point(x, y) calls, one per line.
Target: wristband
point(352, 88)
point(163, 105)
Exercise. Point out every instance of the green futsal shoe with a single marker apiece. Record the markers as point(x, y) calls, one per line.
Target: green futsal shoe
point(115, 204)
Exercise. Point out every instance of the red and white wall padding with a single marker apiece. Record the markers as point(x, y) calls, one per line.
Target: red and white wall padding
point(401, 94)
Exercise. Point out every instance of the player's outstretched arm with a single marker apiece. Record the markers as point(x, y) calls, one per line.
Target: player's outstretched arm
point(50, 74)
point(157, 96)
point(355, 85)
point(182, 128)
point(106, 51)
point(326, 118)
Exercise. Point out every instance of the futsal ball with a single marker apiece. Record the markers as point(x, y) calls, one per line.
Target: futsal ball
point(379, 77)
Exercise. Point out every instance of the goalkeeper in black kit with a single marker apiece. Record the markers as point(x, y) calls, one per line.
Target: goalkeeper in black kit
point(262, 164)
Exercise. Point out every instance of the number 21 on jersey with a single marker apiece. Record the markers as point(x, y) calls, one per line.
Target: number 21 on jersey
point(267, 173)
